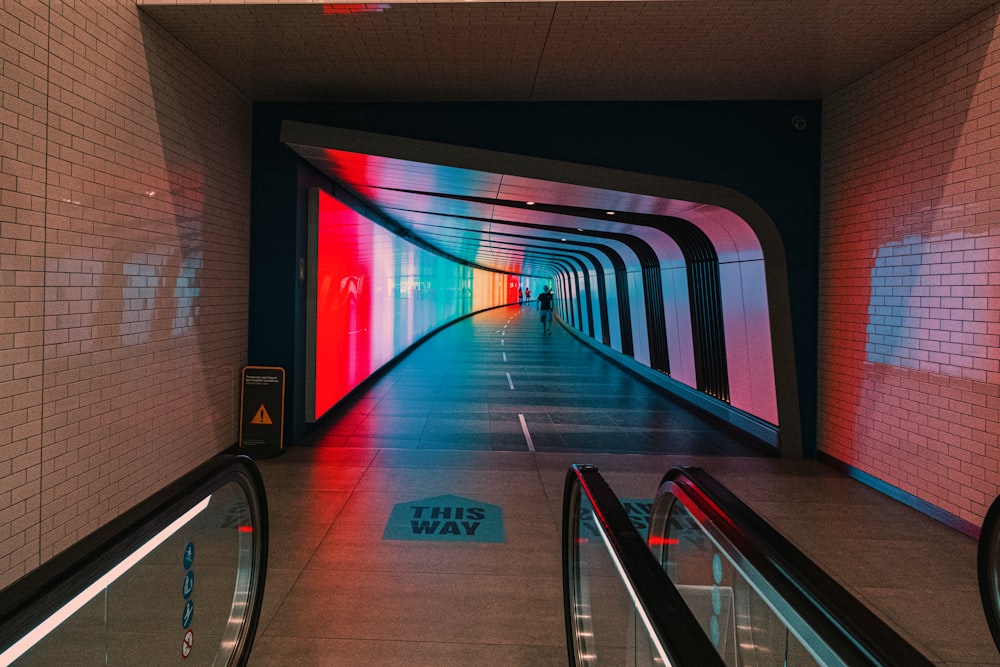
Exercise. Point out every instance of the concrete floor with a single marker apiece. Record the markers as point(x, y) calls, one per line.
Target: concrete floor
point(447, 421)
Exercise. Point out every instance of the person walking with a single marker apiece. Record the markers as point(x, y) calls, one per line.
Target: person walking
point(545, 304)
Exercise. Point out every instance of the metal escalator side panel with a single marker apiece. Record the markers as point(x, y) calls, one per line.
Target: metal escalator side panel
point(822, 616)
point(178, 577)
point(988, 569)
point(653, 626)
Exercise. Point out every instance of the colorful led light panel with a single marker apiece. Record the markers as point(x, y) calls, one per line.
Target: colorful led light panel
point(376, 294)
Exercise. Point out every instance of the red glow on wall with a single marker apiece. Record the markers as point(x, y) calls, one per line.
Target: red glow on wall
point(355, 8)
point(343, 303)
point(246, 529)
point(376, 294)
point(512, 285)
point(657, 541)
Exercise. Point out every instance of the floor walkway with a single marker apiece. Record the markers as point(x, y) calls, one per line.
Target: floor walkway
point(490, 413)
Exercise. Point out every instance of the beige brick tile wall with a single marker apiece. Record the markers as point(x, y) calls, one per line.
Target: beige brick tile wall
point(909, 385)
point(124, 235)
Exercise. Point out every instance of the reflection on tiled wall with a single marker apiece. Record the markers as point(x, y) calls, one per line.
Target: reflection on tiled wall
point(930, 305)
point(909, 387)
point(123, 268)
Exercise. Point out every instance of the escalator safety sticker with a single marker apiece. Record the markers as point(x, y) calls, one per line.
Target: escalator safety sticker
point(187, 591)
point(445, 519)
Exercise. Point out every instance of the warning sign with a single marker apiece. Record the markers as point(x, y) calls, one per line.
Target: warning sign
point(262, 409)
point(261, 417)
point(187, 644)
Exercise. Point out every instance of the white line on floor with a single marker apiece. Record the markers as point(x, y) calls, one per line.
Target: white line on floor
point(527, 436)
point(504, 356)
point(510, 382)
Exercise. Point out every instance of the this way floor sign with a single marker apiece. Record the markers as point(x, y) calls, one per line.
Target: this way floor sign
point(445, 518)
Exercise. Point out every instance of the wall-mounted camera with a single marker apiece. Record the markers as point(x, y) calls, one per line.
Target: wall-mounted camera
point(799, 122)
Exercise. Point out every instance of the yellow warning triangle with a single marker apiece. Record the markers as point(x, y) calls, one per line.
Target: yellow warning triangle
point(261, 417)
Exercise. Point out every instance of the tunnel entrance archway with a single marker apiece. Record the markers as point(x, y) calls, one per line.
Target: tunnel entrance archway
point(464, 200)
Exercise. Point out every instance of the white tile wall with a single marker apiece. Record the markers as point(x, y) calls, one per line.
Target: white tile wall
point(909, 384)
point(124, 234)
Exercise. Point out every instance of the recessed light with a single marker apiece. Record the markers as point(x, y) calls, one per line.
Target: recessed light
point(610, 212)
point(530, 203)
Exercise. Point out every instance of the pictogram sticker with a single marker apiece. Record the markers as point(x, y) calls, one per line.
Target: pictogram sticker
point(188, 644)
point(261, 417)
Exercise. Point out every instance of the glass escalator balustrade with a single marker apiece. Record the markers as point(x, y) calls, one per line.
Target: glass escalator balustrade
point(740, 623)
point(620, 607)
point(988, 565)
point(726, 587)
point(187, 593)
point(607, 620)
point(760, 600)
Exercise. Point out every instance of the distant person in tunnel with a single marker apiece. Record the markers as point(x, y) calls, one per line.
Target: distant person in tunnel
point(520, 296)
point(545, 302)
point(527, 294)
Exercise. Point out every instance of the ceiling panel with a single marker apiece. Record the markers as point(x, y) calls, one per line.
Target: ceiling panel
point(667, 50)
point(298, 51)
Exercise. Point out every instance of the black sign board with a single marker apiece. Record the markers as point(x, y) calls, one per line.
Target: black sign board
point(262, 409)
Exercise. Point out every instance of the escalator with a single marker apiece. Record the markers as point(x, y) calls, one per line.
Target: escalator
point(710, 584)
point(988, 566)
point(177, 580)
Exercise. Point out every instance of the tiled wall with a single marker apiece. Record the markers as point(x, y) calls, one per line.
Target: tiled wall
point(124, 206)
point(909, 366)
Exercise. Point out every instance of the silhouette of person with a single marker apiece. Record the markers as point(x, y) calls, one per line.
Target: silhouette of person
point(545, 304)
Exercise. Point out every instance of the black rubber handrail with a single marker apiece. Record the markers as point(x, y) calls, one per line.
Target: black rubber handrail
point(988, 566)
point(678, 631)
point(849, 628)
point(40, 593)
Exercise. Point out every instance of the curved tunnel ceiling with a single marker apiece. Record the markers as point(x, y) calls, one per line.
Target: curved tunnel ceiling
point(671, 273)
point(528, 226)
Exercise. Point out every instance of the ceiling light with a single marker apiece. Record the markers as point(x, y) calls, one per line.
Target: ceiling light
point(610, 212)
point(530, 203)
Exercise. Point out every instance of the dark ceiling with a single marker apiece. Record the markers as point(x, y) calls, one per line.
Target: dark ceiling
point(535, 51)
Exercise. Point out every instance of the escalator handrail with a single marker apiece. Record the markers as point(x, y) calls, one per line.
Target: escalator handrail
point(848, 627)
point(677, 629)
point(40, 593)
point(988, 569)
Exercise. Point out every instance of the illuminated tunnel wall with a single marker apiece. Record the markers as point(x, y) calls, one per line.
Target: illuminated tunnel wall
point(750, 149)
point(710, 330)
point(685, 296)
point(372, 294)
